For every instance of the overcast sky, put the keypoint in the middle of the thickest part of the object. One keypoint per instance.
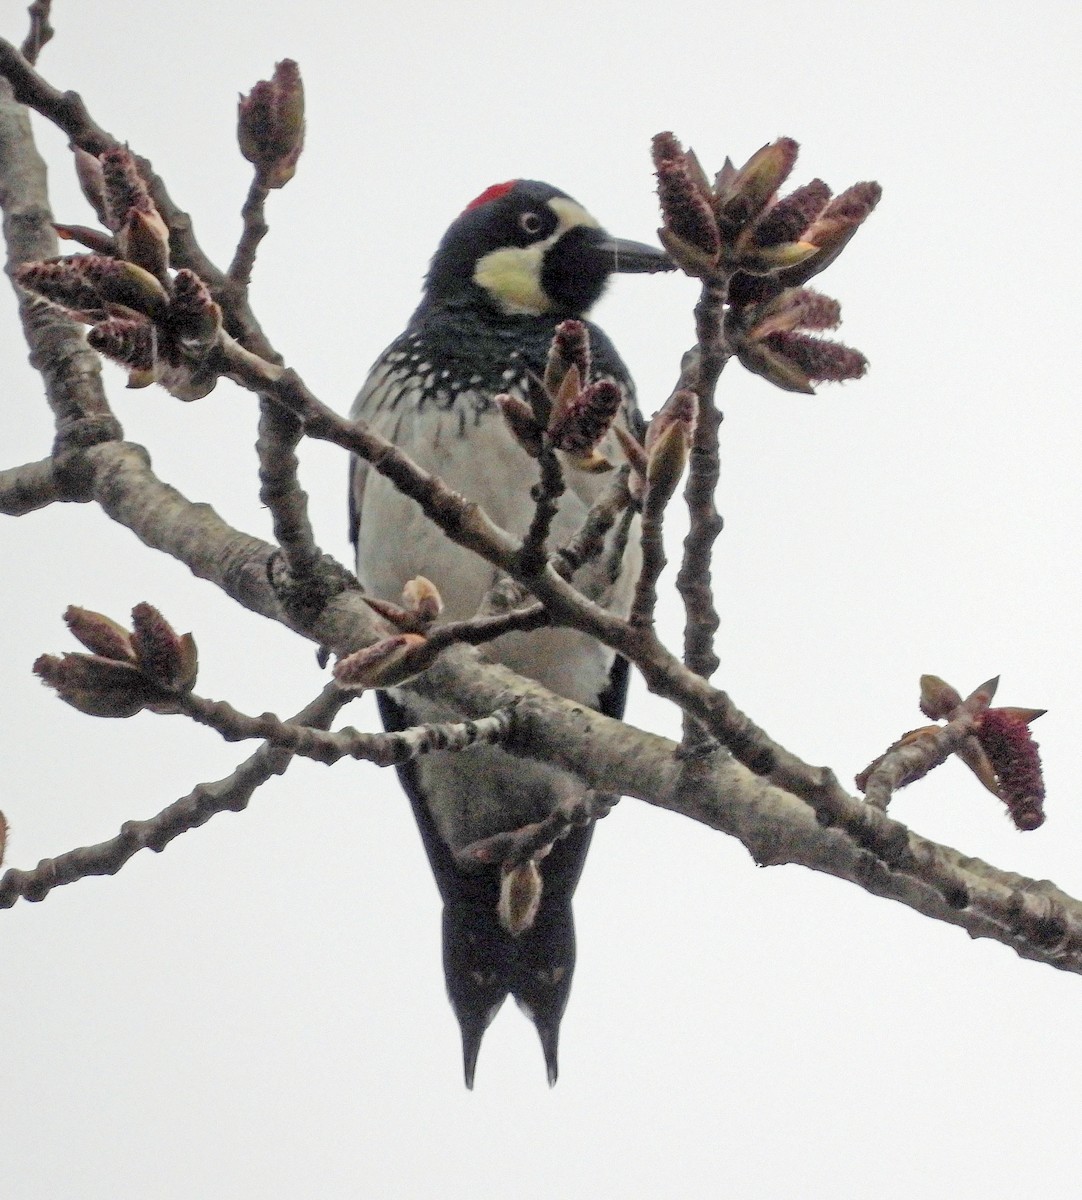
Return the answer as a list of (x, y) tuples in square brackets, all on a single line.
[(259, 1011)]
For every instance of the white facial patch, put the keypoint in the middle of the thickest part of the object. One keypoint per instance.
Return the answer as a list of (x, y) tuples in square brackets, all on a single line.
[(512, 274)]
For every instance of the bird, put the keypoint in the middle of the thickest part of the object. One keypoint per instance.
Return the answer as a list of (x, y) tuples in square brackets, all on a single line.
[(520, 259)]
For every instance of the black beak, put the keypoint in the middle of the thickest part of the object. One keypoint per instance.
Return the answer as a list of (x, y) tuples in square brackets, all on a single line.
[(634, 258)]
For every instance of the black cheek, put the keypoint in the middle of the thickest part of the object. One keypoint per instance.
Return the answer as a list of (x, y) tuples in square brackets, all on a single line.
[(575, 272)]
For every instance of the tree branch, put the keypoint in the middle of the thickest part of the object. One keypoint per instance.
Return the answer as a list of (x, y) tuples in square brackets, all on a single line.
[(383, 749), (230, 794), (27, 488)]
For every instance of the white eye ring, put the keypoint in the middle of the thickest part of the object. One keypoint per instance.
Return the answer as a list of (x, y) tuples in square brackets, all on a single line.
[(529, 222)]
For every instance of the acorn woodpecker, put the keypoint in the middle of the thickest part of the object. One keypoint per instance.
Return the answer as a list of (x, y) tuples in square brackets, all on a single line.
[(520, 259)]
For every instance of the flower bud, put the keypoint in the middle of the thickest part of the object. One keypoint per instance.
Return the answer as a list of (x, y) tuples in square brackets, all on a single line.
[(688, 216), (91, 180), (521, 422), (937, 698), (795, 308), (99, 687), (423, 599), (834, 228), (586, 418), (1013, 753), (270, 125), (131, 341), (170, 660), (746, 192), (383, 664), (63, 282), (194, 316), (570, 347), (787, 220), (100, 634)]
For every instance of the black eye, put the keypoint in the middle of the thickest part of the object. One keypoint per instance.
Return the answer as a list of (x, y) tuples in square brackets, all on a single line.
[(529, 222)]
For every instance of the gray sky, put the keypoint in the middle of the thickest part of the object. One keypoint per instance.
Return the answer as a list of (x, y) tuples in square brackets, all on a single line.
[(259, 1011)]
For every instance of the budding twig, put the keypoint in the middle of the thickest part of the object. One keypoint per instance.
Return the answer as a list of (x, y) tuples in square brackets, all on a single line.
[(230, 794)]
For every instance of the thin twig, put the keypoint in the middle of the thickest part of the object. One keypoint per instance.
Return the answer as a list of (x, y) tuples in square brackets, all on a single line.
[(41, 31), (546, 493), (383, 749), (519, 845), (255, 230), (478, 630), (653, 560), (693, 580), (589, 540), (280, 489)]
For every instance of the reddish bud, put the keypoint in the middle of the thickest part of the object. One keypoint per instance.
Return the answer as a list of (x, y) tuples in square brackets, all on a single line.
[(587, 418), (1013, 753), (100, 634), (125, 190), (570, 347), (834, 228), (817, 359), (99, 687), (687, 213), (91, 180), (938, 700), (62, 282), (270, 125), (665, 147), (795, 308), (522, 422), (130, 341), (383, 664), (165, 657), (194, 316), (743, 195), (787, 220)]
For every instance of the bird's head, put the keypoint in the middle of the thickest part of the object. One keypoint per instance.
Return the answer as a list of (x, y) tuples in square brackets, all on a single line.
[(526, 248)]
